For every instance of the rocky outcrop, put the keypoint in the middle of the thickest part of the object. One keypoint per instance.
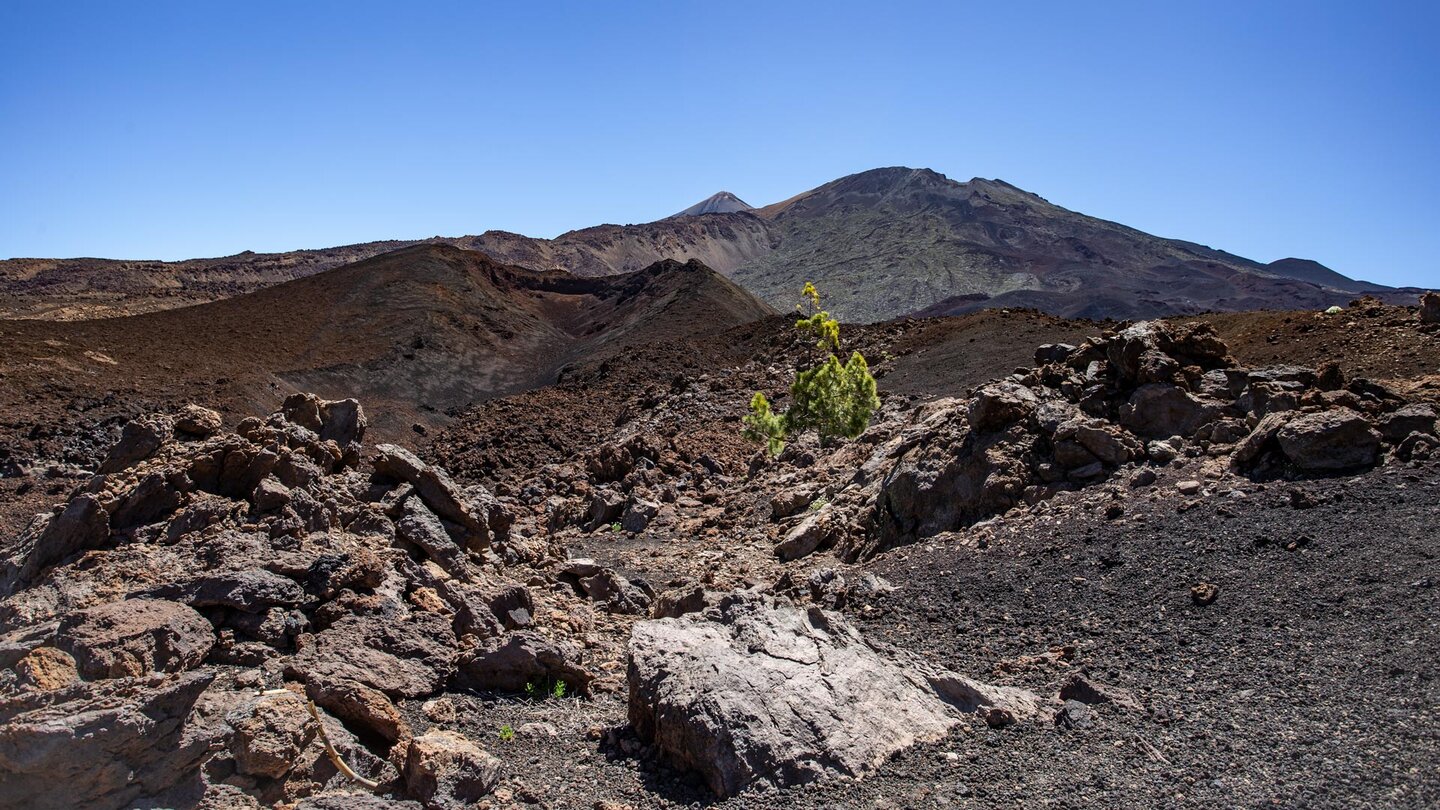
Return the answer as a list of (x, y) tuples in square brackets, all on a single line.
[(134, 637), (100, 745), (1430, 308), (755, 690), (270, 554), (1144, 394)]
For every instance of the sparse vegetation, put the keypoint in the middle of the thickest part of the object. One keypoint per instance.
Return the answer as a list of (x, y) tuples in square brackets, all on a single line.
[(544, 689), (506, 733), (834, 399)]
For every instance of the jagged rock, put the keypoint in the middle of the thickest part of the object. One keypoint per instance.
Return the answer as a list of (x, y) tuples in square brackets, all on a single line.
[(605, 586), (1053, 353), (943, 479), (1329, 441), (638, 514), (84, 524), (139, 440), (154, 497), (269, 736), (402, 657), (341, 421), (1100, 440), (135, 637), (999, 405), (99, 745), (1158, 410), (447, 771), (359, 706), (253, 591), (676, 603), (1260, 438), (270, 494), (420, 526), (511, 661), (810, 534), (194, 420), (606, 507), (436, 489), (46, 669), (755, 690), (790, 502), (1430, 308), (1414, 418)]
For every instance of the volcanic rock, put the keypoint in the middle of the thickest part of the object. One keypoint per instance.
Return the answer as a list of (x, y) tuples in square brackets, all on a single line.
[(135, 637), (193, 420), (1329, 441), (447, 771), (99, 745), (511, 661), (755, 691)]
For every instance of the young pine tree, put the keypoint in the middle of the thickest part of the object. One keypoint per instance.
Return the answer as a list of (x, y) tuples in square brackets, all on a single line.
[(834, 399)]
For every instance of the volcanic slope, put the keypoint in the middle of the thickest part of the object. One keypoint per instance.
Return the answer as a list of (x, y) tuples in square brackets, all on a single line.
[(898, 240), (419, 330), (81, 289)]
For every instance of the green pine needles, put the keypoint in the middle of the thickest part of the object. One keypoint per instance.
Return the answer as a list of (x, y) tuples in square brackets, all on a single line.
[(834, 399)]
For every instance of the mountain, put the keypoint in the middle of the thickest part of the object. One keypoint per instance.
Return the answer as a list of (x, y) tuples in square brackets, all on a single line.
[(84, 289), (719, 203), (418, 330), (893, 241), (879, 244), (1317, 273)]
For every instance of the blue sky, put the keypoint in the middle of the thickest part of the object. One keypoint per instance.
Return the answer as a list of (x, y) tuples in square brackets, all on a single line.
[(172, 130)]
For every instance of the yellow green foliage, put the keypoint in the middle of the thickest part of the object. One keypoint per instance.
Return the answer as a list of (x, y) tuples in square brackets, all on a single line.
[(834, 399)]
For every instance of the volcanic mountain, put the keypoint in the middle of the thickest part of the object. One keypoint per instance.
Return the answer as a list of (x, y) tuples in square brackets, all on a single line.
[(719, 203), (421, 329), (892, 241), (879, 244)]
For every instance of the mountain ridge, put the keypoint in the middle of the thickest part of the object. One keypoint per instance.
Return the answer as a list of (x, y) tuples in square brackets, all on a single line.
[(882, 243)]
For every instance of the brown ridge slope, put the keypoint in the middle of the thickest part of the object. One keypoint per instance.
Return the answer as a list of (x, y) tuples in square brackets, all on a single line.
[(415, 331), (80, 289)]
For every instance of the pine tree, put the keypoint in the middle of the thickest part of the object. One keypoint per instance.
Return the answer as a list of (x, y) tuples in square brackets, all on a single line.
[(834, 399)]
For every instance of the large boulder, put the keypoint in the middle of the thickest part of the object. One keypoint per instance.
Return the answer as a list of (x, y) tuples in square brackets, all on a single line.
[(83, 524), (139, 440), (1160, 410), (999, 405), (446, 771), (508, 663), (441, 494), (1430, 308), (135, 637), (402, 656), (1414, 418), (252, 591), (1329, 441), (755, 690), (107, 744)]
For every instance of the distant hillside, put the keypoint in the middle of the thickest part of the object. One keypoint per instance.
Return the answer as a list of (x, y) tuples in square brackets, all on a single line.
[(880, 244), (1317, 273), (893, 241), (416, 331)]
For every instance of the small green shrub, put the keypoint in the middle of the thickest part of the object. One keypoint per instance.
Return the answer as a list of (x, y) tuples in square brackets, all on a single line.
[(834, 399), (506, 733)]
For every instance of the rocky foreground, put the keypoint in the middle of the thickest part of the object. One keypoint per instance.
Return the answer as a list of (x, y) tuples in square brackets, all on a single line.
[(281, 615)]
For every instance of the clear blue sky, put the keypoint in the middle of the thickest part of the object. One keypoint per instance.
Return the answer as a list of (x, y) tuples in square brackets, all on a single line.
[(172, 130)]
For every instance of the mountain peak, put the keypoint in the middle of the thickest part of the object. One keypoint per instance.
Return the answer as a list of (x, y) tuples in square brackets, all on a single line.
[(721, 202)]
